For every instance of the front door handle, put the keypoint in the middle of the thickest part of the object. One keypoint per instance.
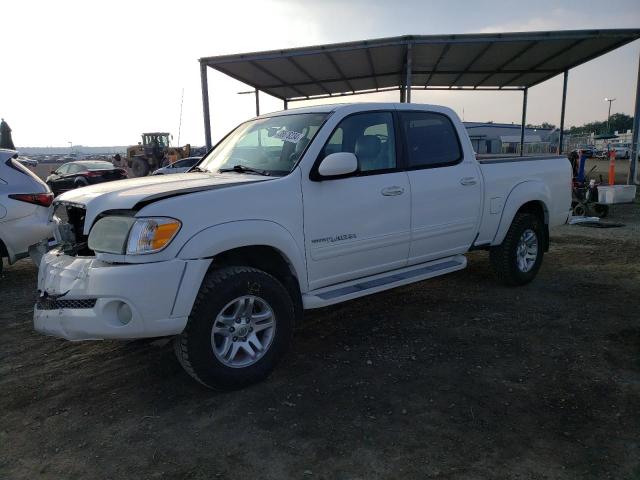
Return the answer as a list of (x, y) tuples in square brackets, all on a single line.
[(392, 191), (468, 181)]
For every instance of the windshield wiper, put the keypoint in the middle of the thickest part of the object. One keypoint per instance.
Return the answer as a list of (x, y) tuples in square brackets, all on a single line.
[(197, 169), (243, 169)]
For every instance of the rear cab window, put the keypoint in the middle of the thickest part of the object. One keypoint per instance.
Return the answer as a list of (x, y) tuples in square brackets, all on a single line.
[(431, 140)]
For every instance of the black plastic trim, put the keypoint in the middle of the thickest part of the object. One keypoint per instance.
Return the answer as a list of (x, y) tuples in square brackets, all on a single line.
[(520, 159)]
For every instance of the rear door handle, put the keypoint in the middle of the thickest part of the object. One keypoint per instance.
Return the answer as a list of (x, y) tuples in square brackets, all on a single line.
[(468, 181), (392, 191)]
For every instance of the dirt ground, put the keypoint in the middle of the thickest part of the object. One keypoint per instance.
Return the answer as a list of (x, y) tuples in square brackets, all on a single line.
[(456, 377)]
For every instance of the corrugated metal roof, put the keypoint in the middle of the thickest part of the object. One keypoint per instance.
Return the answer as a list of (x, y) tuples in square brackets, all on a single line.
[(468, 61)]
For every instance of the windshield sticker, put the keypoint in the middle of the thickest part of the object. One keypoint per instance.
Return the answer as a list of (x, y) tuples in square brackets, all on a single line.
[(289, 136)]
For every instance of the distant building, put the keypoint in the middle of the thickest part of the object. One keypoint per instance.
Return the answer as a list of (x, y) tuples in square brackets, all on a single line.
[(497, 138)]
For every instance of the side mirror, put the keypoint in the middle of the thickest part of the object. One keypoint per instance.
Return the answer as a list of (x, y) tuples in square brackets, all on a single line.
[(338, 164)]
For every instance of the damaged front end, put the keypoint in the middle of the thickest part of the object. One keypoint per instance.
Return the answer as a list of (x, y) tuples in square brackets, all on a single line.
[(69, 221), (68, 231)]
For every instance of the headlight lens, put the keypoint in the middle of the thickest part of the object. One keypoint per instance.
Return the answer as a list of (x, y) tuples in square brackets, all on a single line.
[(150, 235), (133, 236), (109, 234)]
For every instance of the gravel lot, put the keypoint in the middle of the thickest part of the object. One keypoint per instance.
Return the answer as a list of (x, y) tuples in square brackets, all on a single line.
[(456, 377)]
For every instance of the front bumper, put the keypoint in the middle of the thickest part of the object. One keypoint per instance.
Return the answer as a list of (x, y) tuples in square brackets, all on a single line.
[(83, 298)]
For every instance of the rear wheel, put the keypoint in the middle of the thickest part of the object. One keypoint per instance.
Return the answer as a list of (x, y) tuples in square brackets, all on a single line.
[(518, 259), (239, 328), (140, 167)]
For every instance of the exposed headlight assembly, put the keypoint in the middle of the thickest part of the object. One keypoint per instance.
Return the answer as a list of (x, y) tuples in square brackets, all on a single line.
[(132, 236)]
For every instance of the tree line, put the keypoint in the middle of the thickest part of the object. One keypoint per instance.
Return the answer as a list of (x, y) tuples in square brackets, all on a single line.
[(619, 122)]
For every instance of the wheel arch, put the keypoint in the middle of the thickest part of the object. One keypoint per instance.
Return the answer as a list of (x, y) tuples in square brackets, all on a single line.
[(268, 259), (3, 249), (530, 197), (5, 252), (266, 245)]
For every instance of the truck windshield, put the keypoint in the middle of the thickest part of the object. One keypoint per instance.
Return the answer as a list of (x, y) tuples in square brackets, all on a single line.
[(272, 145)]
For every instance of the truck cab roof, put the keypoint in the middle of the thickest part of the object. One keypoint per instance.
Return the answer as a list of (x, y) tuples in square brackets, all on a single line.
[(360, 106)]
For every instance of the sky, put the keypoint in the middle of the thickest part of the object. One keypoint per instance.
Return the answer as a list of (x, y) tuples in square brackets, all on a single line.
[(101, 73)]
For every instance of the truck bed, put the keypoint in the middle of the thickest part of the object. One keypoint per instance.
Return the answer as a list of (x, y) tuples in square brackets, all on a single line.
[(548, 174)]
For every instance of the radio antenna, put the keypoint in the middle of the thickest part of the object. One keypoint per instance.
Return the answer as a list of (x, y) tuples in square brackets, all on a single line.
[(180, 124)]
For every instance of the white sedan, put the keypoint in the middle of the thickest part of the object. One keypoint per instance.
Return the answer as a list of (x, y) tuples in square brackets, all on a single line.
[(179, 166), (24, 208)]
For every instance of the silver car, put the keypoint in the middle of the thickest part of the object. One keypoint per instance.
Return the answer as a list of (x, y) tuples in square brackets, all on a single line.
[(24, 208), (179, 166)]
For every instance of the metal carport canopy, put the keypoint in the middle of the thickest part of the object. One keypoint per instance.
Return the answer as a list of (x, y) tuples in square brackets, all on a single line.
[(468, 61), (476, 62)]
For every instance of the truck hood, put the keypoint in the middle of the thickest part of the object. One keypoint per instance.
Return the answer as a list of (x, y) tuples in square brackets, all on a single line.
[(134, 193)]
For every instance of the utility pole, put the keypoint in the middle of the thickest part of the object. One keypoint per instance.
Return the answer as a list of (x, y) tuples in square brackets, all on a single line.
[(610, 100)]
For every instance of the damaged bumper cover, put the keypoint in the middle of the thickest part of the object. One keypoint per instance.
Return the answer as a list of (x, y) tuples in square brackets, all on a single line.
[(82, 298)]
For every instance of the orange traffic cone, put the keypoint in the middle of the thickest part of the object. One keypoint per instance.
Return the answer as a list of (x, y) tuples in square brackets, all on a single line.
[(612, 166)]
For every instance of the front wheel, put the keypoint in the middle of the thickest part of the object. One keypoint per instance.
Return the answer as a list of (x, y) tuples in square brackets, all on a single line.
[(518, 259), (140, 167), (240, 327)]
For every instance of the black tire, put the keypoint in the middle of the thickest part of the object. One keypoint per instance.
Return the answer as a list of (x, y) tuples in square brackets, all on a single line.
[(579, 210), (504, 258), (80, 182), (140, 167), (601, 210), (194, 346)]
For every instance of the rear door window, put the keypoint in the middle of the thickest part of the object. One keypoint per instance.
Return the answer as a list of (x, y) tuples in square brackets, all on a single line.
[(431, 140)]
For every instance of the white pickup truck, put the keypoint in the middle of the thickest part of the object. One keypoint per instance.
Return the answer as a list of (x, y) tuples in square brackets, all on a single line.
[(290, 211)]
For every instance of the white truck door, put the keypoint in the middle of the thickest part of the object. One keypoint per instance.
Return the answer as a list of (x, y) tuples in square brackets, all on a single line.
[(359, 225), (446, 187)]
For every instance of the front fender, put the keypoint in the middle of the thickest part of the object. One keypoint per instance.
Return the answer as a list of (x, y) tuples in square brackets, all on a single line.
[(244, 233), (529, 191)]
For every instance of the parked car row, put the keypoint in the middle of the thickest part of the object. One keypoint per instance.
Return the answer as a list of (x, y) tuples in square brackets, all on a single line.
[(623, 151)]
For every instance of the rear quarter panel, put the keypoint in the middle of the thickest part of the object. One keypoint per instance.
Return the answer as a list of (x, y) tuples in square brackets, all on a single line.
[(511, 183)]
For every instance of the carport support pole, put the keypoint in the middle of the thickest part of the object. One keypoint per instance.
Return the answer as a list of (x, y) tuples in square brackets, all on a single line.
[(562, 110), (524, 120), (407, 82), (286, 104), (257, 102), (633, 160), (205, 104)]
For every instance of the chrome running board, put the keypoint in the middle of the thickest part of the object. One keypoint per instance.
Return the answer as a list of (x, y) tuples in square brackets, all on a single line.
[(383, 281)]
